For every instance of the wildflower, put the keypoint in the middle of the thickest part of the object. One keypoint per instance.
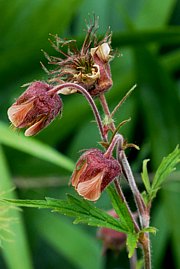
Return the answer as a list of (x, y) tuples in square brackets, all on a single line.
[(93, 173), (35, 108), (111, 239), (88, 67)]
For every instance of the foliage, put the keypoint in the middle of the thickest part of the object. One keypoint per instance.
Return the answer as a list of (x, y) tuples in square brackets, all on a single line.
[(147, 34)]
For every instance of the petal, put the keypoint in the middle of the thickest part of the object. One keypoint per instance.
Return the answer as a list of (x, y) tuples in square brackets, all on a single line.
[(17, 113), (103, 52), (76, 175), (91, 189), (36, 127)]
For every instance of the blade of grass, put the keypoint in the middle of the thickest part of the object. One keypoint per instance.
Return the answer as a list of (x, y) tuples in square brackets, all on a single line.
[(171, 204), (16, 250), (154, 13), (33, 147), (70, 240)]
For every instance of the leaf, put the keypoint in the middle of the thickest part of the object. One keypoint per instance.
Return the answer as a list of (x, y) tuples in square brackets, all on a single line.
[(167, 166), (33, 147), (156, 13), (170, 199), (160, 241), (168, 35), (121, 210), (149, 229), (145, 177), (68, 240), (157, 88), (15, 247), (131, 242), (78, 208)]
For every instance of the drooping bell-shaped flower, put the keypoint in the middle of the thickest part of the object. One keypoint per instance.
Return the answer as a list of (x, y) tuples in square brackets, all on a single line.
[(35, 108), (93, 173)]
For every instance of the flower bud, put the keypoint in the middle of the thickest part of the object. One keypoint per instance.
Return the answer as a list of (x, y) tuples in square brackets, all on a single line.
[(93, 173), (111, 239), (35, 108)]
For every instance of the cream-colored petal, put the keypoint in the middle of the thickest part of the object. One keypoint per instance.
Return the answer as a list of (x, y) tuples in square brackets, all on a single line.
[(91, 189), (76, 175), (17, 113), (35, 128), (102, 52)]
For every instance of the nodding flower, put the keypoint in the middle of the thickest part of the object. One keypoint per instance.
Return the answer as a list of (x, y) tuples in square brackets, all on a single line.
[(88, 67), (93, 173), (35, 108)]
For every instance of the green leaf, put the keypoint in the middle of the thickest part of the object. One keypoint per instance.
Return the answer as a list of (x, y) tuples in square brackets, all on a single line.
[(160, 241), (168, 35), (145, 176), (170, 199), (157, 88), (167, 166), (131, 242), (14, 243), (31, 146), (78, 208), (121, 210), (68, 240), (153, 14), (149, 229)]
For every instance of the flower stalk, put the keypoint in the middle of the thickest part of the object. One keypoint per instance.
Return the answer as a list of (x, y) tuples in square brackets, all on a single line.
[(87, 71), (71, 86)]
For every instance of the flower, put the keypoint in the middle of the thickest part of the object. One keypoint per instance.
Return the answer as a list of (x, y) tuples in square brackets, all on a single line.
[(35, 108), (111, 239), (88, 67), (93, 173)]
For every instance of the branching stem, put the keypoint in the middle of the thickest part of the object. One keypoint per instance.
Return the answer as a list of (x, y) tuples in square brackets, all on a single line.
[(142, 209)]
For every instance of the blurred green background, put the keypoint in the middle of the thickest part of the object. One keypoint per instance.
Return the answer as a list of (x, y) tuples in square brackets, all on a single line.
[(147, 34)]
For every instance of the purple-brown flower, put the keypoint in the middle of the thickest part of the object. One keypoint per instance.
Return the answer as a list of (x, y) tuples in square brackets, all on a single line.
[(93, 173), (35, 108), (111, 239)]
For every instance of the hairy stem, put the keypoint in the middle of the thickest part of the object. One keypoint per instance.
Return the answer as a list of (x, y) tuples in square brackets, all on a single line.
[(137, 196), (121, 195), (126, 168), (145, 242), (142, 209), (112, 145)]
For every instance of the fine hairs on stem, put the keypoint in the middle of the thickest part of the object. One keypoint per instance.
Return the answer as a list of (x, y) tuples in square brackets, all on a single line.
[(141, 207), (87, 71)]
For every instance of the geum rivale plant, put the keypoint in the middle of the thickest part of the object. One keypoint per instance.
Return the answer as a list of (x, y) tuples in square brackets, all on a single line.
[(87, 71)]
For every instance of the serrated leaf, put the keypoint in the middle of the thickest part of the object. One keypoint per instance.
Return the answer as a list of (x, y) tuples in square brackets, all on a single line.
[(80, 209), (131, 242), (149, 230), (167, 166), (121, 209), (145, 177)]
